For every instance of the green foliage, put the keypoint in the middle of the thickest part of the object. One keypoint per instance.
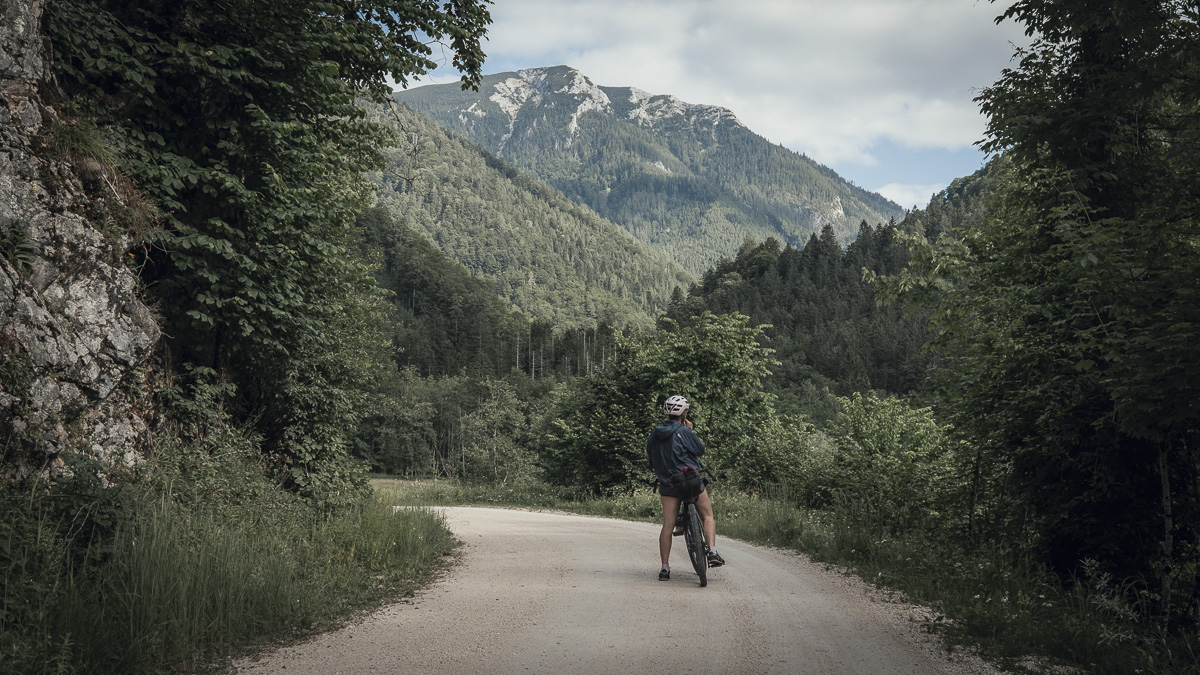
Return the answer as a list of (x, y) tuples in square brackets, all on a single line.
[(1110, 184), (81, 144), (1069, 317), (460, 427), (493, 437), (258, 164), (197, 552), (445, 322), (16, 368), (121, 211), (18, 249), (826, 328), (595, 438), (894, 463), (472, 374), (963, 204)]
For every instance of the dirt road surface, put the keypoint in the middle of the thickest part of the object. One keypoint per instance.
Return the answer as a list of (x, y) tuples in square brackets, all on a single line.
[(555, 593)]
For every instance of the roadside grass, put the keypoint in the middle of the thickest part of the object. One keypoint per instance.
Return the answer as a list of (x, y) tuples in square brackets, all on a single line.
[(995, 601), (177, 587), (637, 505)]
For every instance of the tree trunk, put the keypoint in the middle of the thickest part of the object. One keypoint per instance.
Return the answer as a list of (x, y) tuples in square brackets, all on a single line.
[(976, 473), (1168, 545), (1194, 488)]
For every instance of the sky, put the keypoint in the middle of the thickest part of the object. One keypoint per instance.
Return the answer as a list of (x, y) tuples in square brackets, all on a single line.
[(881, 91)]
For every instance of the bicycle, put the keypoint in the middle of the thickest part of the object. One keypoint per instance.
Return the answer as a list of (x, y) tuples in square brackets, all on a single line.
[(693, 535), (688, 520)]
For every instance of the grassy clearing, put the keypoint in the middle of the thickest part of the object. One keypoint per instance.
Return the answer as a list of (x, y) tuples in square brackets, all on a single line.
[(175, 587), (1003, 604), (639, 505)]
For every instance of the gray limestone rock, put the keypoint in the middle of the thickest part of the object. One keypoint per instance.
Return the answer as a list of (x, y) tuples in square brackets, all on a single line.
[(72, 327)]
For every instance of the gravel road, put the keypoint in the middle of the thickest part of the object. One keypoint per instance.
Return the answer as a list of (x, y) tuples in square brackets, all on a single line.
[(555, 593)]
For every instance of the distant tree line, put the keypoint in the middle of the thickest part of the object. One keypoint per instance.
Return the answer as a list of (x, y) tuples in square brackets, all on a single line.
[(828, 332)]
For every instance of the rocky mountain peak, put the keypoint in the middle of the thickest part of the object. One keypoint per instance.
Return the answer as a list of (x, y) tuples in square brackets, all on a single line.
[(688, 179), (565, 87)]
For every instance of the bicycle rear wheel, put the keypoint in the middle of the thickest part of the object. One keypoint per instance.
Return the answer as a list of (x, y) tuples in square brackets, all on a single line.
[(696, 546)]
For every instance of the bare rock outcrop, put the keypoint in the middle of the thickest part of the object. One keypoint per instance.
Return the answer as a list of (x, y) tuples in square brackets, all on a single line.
[(74, 335)]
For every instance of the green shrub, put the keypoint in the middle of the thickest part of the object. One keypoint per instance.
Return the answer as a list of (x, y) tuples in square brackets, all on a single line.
[(197, 553), (18, 248), (893, 464), (595, 438)]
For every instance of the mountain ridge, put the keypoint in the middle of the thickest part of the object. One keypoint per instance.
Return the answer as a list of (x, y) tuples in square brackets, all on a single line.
[(688, 179), (549, 256)]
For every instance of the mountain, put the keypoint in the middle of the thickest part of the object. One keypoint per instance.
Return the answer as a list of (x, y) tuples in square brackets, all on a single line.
[(689, 180), (548, 256)]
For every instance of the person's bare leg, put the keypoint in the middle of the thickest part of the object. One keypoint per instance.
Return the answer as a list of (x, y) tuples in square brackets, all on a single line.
[(704, 508), (670, 506)]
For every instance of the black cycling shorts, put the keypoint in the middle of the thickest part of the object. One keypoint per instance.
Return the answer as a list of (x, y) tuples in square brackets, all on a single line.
[(670, 491)]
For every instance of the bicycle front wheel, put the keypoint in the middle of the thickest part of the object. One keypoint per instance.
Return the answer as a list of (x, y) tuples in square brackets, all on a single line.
[(696, 546)]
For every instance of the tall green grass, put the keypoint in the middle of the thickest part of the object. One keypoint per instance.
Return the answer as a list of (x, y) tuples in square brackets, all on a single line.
[(997, 601), (1000, 601), (176, 587)]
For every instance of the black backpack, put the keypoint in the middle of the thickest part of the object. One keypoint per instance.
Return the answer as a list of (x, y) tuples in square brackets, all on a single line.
[(687, 482)]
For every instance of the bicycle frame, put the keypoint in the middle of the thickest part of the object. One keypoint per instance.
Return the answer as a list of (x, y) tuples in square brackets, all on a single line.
[(693, 535)]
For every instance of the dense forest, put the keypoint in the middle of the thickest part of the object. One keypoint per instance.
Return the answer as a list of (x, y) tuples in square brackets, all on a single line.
[(466, 367), (1002, 386), (446, 321), (1067, 317), (825, 326)]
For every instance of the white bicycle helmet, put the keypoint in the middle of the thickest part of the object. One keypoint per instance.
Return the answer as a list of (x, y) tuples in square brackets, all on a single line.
[(676, 405)]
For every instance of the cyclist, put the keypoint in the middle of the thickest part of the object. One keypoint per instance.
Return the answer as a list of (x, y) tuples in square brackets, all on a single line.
[(671, 446)]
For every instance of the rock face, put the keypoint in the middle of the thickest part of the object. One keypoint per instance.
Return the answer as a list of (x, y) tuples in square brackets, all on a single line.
[(74, 335)]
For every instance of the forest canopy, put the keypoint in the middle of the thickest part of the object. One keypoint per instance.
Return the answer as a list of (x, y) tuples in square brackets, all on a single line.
[(238, 121)]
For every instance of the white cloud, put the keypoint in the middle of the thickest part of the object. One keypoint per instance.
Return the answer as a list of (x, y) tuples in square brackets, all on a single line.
[(834, 79), (830, 78), (911, 196)]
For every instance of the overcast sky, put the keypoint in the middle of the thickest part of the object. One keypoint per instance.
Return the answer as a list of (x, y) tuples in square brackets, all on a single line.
[(879, 90)]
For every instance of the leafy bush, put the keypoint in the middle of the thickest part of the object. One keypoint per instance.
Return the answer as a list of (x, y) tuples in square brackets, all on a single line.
[(595, 438), (200, 552), (893, 463)]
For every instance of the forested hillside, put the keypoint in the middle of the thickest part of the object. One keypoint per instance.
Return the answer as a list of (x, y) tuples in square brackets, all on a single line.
[(225, 243), (825, 326), (550, 257), (689, 180)]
